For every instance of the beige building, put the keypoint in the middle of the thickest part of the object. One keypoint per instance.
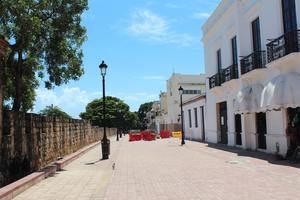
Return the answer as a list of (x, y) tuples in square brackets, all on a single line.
[(193, 85)]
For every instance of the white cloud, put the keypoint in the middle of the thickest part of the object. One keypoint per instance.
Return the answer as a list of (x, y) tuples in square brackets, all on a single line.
[(154, 78), (201, 15), (140, 97), (150, 26), (71, 100)]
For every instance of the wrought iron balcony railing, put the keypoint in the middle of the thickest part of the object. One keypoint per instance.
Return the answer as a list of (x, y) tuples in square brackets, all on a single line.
[(215, 80), (230, 73), (256, 60), (284, 45)]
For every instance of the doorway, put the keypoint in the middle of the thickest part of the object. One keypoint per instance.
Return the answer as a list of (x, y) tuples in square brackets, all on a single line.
[(261, 130), (293, 129), (202, 123), (223, 122), (238, 129)]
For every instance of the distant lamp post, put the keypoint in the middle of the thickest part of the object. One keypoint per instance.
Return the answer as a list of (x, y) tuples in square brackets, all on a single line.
[(118, 134), (105, 143), (181, 115), (118, 123)]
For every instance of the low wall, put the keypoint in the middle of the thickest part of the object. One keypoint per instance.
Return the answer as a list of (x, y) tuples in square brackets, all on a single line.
[(30, 142)]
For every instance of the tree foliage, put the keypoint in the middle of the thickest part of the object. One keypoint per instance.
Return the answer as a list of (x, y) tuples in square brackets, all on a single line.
[(117, 114), (143, 109), (45, 39), (54, 111)]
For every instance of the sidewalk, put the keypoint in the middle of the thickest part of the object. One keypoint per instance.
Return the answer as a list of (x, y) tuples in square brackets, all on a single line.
[(163, 170), (84, 179)]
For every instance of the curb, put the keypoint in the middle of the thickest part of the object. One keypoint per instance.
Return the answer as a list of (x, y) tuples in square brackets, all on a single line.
[(70, 158), (12, 190)]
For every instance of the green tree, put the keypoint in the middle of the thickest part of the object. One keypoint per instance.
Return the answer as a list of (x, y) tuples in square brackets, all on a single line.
[(45, 40), (143, 109), (117, 113), (54, 111)]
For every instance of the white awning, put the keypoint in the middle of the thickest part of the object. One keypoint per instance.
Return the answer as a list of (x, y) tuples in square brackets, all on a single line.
[(283, 91), (248, 99)]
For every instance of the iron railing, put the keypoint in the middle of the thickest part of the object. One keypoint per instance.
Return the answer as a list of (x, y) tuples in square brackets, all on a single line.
[(230, 73), (215, 80), (284, 45), (256, 60)]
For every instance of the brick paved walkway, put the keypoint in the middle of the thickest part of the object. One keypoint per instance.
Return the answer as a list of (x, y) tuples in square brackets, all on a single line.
[(164, 170)]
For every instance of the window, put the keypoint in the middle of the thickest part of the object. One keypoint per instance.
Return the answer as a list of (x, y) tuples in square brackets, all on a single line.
[(219, 61), (191, 91), (190, 118), (238, 129), (256, 35), (196, 117), (289, 15), (234, 51)]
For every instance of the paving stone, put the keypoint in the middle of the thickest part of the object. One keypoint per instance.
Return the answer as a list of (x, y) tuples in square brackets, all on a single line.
[(164, 170)]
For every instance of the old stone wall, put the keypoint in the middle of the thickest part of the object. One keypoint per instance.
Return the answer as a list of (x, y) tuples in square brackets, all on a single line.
[(31, 142)]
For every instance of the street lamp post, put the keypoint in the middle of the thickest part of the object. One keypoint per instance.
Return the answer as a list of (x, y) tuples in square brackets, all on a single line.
[(118, 134), (105, 143), (181, 115), (119, 123)]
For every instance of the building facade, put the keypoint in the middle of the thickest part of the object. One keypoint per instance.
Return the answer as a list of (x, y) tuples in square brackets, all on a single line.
[(193, 85), (194, 118), (252, 63)]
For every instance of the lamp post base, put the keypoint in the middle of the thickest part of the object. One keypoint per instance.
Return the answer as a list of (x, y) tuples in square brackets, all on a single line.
[(105, 144)]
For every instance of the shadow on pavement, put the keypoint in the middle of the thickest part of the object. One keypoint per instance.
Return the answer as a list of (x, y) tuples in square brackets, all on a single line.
[(92, 163), (273, 159)]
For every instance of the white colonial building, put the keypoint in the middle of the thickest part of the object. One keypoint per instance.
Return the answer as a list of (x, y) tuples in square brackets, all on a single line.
[(193, 85), (252, 63), (194, 118)]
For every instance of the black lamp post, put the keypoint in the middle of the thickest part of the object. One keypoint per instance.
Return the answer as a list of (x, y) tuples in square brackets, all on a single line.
[(118, 122), (105, 143), (118, 134), (181, 115)]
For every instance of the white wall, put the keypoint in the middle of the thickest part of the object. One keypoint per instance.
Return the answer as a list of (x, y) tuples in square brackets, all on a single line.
[(234, 18), (193, 133)]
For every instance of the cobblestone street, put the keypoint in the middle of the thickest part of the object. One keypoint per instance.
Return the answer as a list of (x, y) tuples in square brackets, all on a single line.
[(164, 170)]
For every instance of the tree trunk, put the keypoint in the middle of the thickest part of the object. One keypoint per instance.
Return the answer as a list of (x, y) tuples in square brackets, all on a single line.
[(18, 84), (1, 103), (3, 46)]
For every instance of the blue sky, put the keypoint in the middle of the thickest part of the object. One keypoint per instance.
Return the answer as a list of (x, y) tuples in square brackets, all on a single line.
[(142, 42)]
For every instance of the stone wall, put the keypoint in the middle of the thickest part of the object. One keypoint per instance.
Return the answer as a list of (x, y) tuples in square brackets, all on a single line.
[(31, 142)]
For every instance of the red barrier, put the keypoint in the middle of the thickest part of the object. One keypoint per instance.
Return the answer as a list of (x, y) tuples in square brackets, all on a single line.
[(164, 134), (148, 135), (134, 136)]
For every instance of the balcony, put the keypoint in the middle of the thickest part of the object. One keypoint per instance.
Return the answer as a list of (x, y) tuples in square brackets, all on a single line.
[(215, 80), (256, 60), (230, 73), (284, 45)]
